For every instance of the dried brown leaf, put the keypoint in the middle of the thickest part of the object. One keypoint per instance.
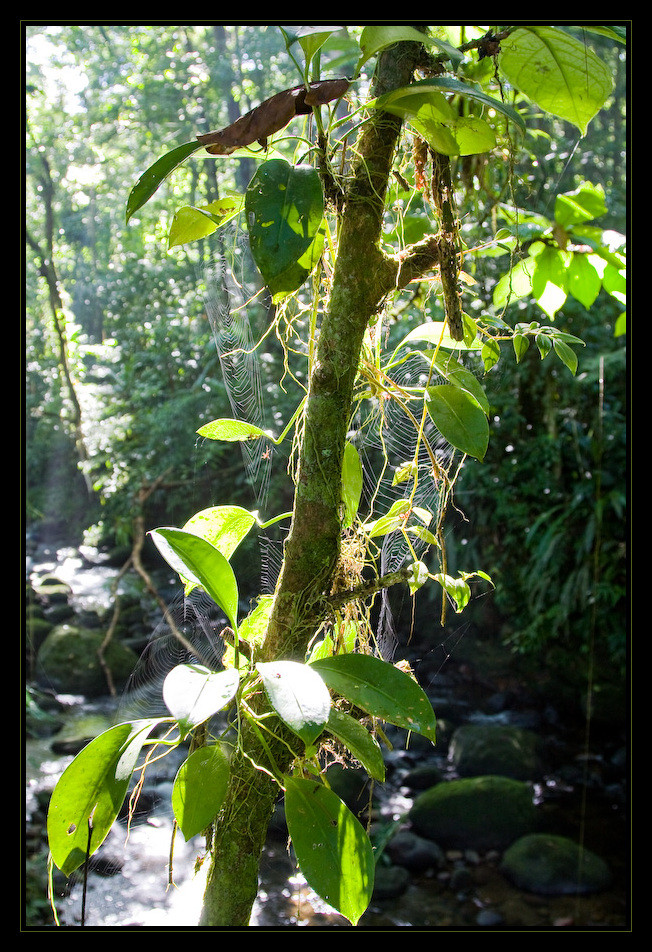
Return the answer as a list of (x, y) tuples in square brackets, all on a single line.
[(272, 115)]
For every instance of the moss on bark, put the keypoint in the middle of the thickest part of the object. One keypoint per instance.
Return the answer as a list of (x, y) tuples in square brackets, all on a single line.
[(362, 278)]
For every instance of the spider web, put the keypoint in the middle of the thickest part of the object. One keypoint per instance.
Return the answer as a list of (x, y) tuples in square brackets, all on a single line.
[(189, 633), (226, 296), (386, 439)]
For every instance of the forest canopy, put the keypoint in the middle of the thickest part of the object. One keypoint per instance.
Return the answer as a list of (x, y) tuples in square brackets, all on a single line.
[(122, 368)]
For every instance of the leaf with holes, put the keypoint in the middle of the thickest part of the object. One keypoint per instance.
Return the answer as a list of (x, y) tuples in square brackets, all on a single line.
[(333, 851), (90, 793), (284, 205)]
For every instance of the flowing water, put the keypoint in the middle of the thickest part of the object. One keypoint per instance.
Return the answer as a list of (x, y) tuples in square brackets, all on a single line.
[(129, 888)]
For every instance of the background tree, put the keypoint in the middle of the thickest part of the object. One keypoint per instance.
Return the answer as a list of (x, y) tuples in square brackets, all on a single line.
[(364, 275)]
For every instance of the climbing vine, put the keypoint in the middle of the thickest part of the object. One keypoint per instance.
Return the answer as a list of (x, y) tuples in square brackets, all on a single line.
[(302, 671)]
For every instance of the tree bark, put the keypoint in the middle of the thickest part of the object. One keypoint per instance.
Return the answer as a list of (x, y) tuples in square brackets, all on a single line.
[(363, 276)]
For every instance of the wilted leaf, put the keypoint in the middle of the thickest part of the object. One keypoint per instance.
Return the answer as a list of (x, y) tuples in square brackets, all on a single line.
[(272, 115)]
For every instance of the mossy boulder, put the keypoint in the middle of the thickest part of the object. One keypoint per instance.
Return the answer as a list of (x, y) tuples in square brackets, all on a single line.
[(552, 865), (68, 661), (495, 749), (482, 813)]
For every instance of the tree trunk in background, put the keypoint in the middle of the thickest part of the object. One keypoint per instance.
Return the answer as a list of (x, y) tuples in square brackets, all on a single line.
[(362, 277)]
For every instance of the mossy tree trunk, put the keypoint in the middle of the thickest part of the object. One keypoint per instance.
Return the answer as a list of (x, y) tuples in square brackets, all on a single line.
[(362, 278)]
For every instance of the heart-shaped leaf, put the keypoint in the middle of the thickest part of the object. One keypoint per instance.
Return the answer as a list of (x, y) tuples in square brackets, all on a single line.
[(284, 205), (559, 73)]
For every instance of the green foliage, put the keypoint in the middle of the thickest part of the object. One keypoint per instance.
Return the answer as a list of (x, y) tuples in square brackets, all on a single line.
[(289, 227)]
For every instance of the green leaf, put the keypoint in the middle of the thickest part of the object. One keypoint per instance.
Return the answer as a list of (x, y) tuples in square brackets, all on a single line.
[(333, 851), (566, 354), (380, 689), (557, 72), (459, 419), (393, 519), (351, 483), (199, 789), (420, 574), (582, 280), (198, 562), (436, 332), (583, 204), (457, 588), (298, 695), (358, 741), (517, 283), (521, 344), (190, 223), (193, 693), (457, 375), (490, 354), (544, 343), (223, 526), (284, 205), (459, 136), (231, 431), (375, 38), (408, 100), (91, 790), (152, 178)]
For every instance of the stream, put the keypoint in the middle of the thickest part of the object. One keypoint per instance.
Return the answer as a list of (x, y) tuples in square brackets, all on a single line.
[(127, 884)]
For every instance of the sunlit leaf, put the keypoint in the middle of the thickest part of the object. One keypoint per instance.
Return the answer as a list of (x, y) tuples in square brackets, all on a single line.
[(231, 431), (190, 223), (199, 789), (380, 689), (408, 100), (90, 792), (193, 693), (298, 695), (333, 851), (557, 72), (197, 561), (223, 526), (351, 483)]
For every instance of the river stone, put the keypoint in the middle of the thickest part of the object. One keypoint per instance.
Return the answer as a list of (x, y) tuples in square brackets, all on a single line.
[(497, 749), (414, 852), (482, 813), (67, 662), (552, 865)]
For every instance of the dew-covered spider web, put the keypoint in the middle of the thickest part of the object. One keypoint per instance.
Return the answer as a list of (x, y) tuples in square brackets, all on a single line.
[(188, 633), (382, 431), (230, 301), (386, 439)]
